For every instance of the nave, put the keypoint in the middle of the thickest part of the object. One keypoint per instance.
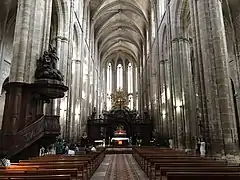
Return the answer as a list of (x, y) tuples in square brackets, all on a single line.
[(157, 163)]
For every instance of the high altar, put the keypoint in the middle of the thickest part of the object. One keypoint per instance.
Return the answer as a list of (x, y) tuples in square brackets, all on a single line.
[(120, 125)]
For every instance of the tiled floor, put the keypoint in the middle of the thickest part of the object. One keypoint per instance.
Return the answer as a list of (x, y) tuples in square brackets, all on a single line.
[(119, 167)]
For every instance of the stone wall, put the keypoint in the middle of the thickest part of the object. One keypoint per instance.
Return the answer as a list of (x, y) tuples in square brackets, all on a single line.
[(203, 69)]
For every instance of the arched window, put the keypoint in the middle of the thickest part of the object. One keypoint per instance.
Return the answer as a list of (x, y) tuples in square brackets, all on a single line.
[(80, 11), (153, 24), (130, 78), (119, 76), (109, 78), (161, 8), (109, 85), (75, 45), (85, 74), (136, 77)]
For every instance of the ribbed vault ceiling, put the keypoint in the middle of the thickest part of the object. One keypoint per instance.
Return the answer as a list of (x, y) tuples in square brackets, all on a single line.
[(8, 9), (119, 28)]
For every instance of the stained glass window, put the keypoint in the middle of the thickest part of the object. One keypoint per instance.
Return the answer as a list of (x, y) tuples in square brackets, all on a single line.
[(161, 8), (109, 86), (109, 78), (130, 78), (119, 76)]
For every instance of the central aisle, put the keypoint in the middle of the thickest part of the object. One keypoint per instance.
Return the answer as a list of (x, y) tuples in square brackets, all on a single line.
[(119, 167)]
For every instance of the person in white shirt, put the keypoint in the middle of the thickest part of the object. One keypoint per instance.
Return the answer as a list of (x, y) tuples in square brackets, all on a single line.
[(71, 152), (93, 149), (202, 147), (170, 141)]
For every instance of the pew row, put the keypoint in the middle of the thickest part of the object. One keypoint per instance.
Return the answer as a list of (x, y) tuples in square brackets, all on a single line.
[(162, 163), (76, 167)]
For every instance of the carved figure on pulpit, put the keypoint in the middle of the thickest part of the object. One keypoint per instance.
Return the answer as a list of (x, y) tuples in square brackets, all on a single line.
[(47, 66), (53, 56)]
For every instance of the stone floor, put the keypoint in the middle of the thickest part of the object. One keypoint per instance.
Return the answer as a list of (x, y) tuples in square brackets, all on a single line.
[(119, 167)]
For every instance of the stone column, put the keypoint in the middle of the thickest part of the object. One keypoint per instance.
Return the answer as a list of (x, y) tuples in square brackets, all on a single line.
[(138, 79), (188, 97), (141, 84), (66, 68), (221, 121), (74, 86), (196, 58), (80, 98), (177, 93), (30, 38), (57, 102)]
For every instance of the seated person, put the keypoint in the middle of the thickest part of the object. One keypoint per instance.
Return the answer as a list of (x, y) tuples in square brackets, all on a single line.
[(42, 151), (4, 162)]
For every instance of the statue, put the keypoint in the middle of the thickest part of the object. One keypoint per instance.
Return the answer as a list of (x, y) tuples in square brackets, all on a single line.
[(104, 106), (53, 55), (47, 66), (94, 110)]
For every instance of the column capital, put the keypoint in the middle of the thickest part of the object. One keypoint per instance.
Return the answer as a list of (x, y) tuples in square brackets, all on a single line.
[(221, 1), (181, 38), (62, 38), (76, 60), (154, 74), (163, 61)]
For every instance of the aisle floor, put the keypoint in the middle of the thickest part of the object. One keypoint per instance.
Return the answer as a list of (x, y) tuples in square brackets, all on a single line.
[(119, 167)]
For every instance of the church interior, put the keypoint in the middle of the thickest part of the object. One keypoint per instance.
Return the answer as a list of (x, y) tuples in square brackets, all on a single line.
[(119, 89)]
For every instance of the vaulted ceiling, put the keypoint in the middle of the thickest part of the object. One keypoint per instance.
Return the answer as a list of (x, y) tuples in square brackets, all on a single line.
[(120, 27), (8, 9)]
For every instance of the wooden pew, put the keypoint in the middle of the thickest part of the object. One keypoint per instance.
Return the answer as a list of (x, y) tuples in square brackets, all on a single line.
[(82, 169), (151, 172), (165, 170), (154, 164), (71, 169), (50, 166), (42, 177), (149, 161), (94, 159), (39, 172), (90, 161), (156, 172), (205, 175), (153, 161)]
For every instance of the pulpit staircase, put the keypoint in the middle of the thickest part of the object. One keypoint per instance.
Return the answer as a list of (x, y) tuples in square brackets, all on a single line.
[(27, 141)]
